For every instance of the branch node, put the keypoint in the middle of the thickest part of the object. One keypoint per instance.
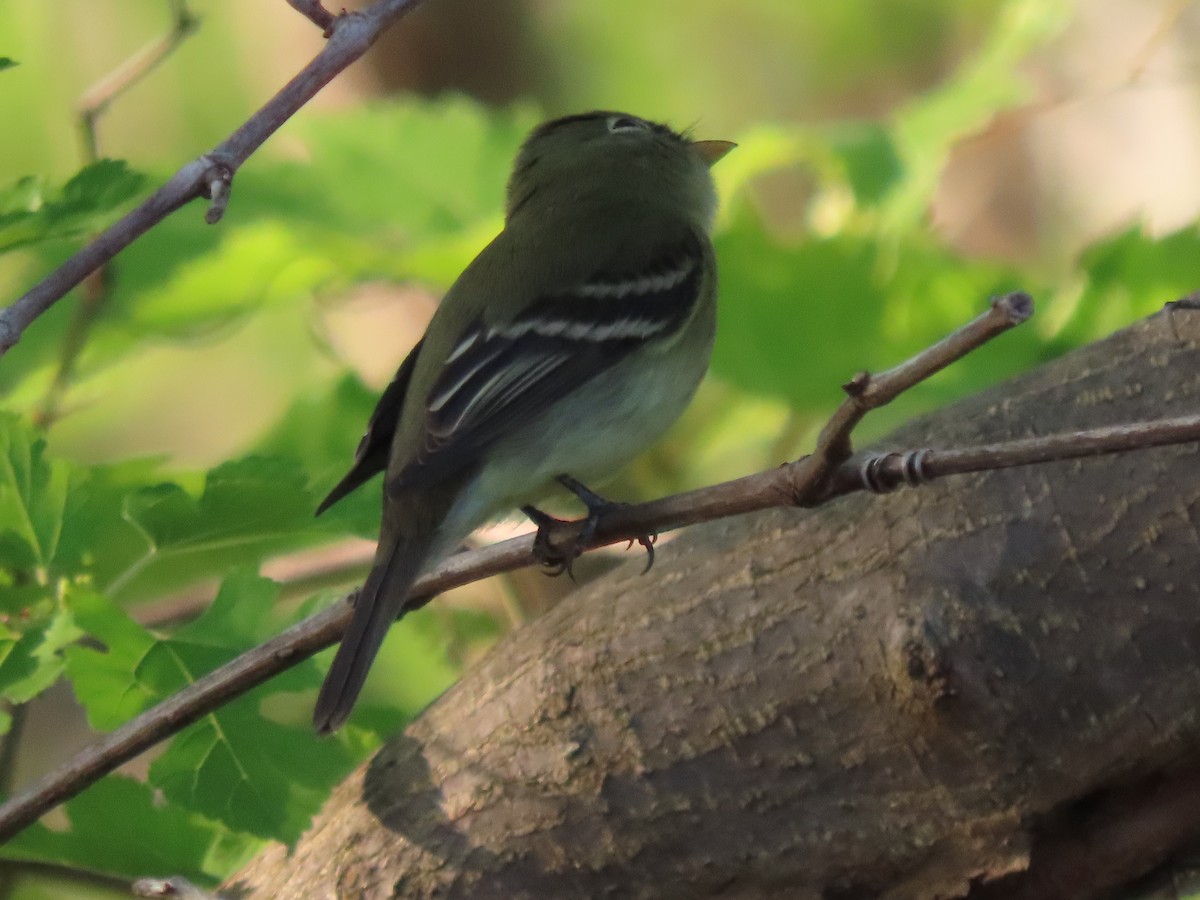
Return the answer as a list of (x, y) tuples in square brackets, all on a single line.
[(1017, 307), (217, 181), (857, 386), (882, 473), (315, 12)]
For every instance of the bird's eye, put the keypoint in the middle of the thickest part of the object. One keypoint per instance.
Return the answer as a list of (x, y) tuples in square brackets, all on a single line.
[(625, 123)]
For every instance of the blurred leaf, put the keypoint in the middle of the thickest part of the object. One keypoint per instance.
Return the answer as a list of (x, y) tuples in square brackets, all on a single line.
[(1133, 274), (259, 264), (868, 154), (322, 432), (415, 664), (990, 81), (6, 63), (794, 321), (401, 172), (119, 826), (31, 212)]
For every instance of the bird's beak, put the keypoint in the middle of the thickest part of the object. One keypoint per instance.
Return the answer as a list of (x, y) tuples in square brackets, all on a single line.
[(713, 150)]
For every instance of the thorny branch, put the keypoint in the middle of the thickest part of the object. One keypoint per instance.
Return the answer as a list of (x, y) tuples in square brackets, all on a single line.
[(807, 481), (350, 36)]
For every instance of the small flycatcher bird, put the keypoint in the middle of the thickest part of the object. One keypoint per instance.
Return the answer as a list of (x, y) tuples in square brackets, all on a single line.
[(565, 348)]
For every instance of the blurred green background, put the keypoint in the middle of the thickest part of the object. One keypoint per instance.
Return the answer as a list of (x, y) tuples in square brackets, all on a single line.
[(167, 430)]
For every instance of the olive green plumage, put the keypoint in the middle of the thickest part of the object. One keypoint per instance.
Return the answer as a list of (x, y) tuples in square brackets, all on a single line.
[(569, 345)]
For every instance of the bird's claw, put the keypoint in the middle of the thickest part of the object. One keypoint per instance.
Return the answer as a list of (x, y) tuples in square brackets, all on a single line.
[(647, 541), (557, 559)]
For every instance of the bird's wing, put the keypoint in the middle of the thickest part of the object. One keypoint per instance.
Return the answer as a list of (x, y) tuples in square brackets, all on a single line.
[(371, 457), (499, 376)]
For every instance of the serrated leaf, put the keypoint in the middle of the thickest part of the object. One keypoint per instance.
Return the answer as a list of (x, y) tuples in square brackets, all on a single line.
[(250, 508), (33, 496), (253, 774), (34, 661), (130, 670)]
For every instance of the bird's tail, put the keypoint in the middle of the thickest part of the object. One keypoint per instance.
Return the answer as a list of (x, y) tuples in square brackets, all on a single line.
[(398, 562)]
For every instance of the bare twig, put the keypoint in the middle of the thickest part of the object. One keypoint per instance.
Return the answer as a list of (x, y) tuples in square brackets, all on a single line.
[(352, 35), (315, 13), (866, 392), (97, 287), (101, 95), (883, 473), (785, 485)]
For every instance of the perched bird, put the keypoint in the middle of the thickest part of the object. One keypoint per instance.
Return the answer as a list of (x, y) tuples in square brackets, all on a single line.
[(574, 339)]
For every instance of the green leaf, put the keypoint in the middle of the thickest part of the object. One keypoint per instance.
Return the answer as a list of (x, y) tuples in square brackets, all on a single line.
[(130, 671), (327, 223), (32, 661), (322, 432), (120, 827), (802, 313), (6, 63), (252, 773), (258, 264), (405, 170), (869, 157), (31, 212), (249, 509), (33, 496), (1132, 274)]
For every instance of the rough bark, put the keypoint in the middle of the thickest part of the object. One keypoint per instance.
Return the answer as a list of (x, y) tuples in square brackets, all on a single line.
[(895, 696)]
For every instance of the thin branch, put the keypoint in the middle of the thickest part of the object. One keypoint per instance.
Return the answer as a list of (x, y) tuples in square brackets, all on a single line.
[(97, 286), (101, 95), (866, 392), (784, 486), (352, 35), (883, 473), (315, 13)]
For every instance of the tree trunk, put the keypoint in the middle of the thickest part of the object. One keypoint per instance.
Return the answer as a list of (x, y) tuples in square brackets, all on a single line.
[(908, 696)]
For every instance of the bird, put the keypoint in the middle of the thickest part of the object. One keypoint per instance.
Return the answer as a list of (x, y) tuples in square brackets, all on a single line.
[(565, 348)]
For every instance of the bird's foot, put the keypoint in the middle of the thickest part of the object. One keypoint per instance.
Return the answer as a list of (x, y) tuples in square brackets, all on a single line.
[(559, 555)]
